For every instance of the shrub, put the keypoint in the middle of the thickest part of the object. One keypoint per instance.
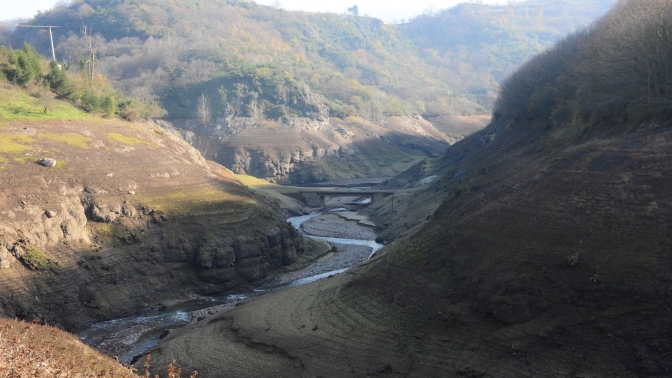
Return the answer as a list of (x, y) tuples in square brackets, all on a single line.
[(36, 258), (109, 105), (56, 78), (90, 100), (28, 65)]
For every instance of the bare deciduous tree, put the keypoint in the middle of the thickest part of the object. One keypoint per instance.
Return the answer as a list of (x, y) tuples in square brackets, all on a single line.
[(203, 112)]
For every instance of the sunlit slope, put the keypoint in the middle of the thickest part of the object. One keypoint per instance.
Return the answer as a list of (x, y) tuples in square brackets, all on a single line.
[(32, 350), (129, 216)]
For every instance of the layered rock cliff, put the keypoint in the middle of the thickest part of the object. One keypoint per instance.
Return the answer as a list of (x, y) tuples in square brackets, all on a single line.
[(129, 217), (296, 150)]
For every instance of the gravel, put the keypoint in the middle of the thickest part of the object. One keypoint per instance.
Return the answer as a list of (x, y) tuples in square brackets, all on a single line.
[(332, 225)]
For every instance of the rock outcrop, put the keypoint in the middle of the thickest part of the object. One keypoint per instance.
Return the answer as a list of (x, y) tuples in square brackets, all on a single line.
[(294, 150), (103, 236)]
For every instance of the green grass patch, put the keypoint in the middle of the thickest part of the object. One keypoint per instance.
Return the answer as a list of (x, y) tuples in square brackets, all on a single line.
[(36, 257), (14, 143), (17, 105), (129, 141), (201, 201), (253, 182), (71, 139), (110, 233)]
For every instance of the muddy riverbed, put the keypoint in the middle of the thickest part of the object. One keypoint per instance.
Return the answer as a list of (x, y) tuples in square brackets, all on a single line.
[(126, 338)]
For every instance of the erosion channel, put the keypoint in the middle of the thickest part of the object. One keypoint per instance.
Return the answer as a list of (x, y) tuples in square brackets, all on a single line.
[(352, 242)]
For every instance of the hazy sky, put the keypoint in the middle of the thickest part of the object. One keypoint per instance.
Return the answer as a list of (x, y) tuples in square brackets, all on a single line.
[(387, 10)]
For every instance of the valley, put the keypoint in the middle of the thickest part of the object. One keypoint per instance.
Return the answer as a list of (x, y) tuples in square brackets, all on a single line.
[(131, 338), (233, 189)]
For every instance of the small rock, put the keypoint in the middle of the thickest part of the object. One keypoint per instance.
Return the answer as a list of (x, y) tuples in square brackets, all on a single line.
[(18, 252), (47, 162), (4, 258), (110, 175), (50, 214), (131, 192)]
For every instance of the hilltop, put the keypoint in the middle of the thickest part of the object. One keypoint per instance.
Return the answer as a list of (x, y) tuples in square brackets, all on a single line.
[(299, 97), (548, 256)]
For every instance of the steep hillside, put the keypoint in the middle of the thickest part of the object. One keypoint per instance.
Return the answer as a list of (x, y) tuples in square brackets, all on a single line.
[(549, 256), (32, 350), (129, 217), (232, 66)]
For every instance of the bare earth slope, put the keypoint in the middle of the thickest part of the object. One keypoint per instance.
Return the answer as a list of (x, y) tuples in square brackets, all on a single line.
[(130, 216), (302, 150)]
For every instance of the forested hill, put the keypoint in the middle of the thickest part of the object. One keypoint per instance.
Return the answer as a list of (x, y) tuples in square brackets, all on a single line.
[(252, 59), (489, 42)]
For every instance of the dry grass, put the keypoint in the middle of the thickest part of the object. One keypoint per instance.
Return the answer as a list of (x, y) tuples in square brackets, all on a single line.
[(253, 182), (32, 350), (172, 371), (37, 351)]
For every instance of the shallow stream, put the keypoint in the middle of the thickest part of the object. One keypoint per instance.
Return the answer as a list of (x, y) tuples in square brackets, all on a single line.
[(133, 336)]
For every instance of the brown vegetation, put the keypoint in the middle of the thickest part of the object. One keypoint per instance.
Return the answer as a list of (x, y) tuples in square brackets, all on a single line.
[(33, 350)]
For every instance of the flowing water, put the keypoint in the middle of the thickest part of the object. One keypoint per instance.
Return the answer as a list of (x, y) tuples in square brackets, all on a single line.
[(133, 336)]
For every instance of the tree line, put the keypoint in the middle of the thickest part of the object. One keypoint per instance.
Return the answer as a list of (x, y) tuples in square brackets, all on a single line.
[(47, 80)]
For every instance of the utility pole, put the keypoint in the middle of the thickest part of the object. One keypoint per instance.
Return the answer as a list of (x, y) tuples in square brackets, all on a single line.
[(51, 35)]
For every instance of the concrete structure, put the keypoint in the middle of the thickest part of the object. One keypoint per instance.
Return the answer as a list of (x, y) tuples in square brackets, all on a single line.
[(317, 198)]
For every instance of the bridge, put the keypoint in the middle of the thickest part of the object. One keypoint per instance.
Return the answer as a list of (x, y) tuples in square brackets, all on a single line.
[(318, 197)]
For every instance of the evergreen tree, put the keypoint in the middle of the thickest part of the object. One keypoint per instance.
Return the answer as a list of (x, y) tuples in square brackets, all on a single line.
[(56, 78), (109, 105)]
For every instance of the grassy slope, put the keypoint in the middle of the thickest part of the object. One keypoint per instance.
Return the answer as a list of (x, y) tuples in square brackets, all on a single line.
[(18, 105)]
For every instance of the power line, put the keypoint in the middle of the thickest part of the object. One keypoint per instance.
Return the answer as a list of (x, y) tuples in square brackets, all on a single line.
[(51, 36)]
